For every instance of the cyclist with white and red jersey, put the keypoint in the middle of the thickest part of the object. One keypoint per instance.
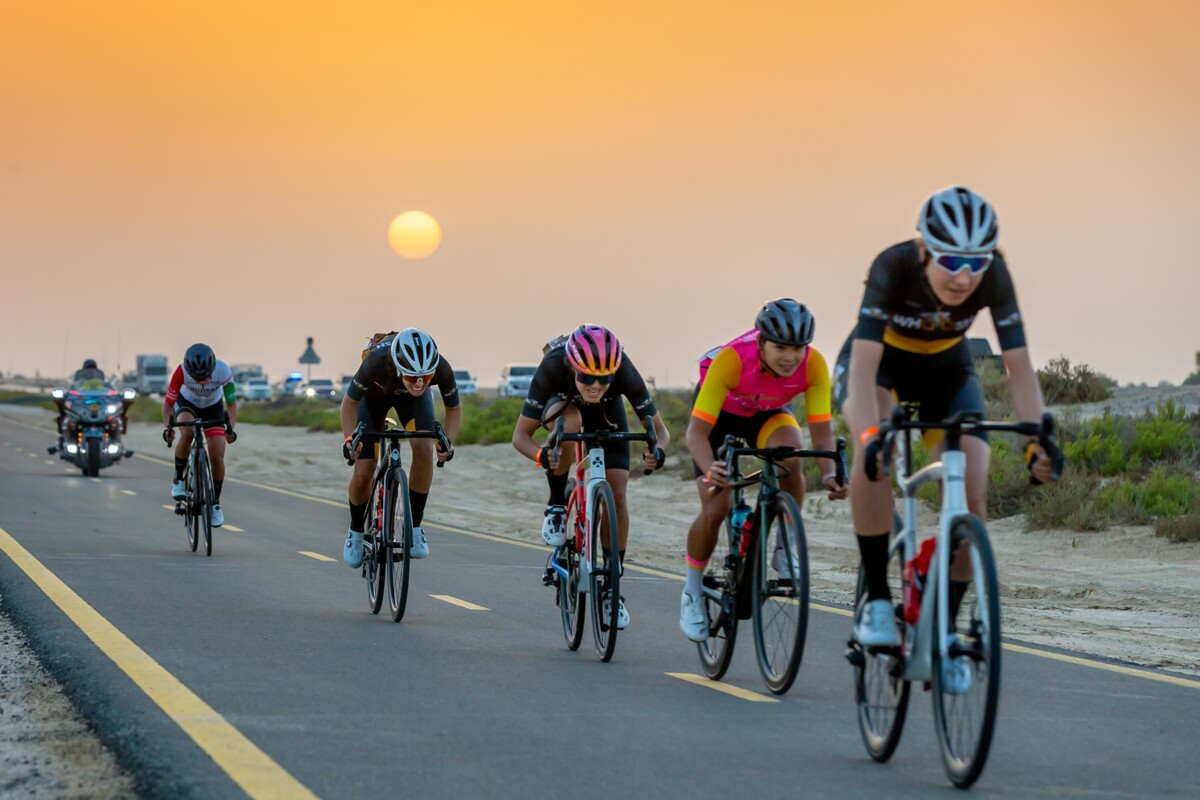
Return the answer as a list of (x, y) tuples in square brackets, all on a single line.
[(746, 390), (585, 378), (196, 391)]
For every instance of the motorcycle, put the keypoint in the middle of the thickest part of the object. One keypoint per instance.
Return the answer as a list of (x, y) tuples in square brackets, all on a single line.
[(90, 431)]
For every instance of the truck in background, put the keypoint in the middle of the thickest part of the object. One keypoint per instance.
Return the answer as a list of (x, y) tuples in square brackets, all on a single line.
[(152, 374)]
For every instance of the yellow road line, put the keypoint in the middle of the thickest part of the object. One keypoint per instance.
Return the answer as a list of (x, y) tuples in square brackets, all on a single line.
[(168, 508), (717, 686), (234, 528), (317, 556), (454, 601), (250, 768), (129, 492), (1087, 662)]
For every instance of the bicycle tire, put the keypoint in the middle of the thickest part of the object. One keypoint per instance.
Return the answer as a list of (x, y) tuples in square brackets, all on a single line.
[(720, 603), (959, 715), (397, 561), (780, 606), (191, 520), (606, 571), (881, 695), (205, 488), (373, 565), (571, 604)]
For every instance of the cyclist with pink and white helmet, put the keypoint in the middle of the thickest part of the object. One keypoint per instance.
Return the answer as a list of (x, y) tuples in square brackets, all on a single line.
[(584, 378)]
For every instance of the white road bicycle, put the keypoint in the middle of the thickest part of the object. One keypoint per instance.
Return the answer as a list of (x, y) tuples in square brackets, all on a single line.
[(957, 655)]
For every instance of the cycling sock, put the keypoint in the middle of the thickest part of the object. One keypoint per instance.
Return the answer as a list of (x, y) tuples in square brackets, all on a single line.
[(180, 466), (417, 501), (874, 550), (217, 491), (558, 488), (957, 590), (358, 516), (695, 577)]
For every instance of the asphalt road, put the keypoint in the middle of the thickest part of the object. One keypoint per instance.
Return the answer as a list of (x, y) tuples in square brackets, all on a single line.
[(286, 683)]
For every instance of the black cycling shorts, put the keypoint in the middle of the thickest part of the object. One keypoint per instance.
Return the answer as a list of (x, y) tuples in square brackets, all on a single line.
[(933, 386), (214, 415), (607, 415), (413, 413)]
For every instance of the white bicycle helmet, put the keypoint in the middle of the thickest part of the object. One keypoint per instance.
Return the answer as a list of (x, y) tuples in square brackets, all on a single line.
[(956, 220), (414, 353)]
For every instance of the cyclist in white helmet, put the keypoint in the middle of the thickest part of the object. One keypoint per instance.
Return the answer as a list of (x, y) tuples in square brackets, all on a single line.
[(396, 373), (908, 346)]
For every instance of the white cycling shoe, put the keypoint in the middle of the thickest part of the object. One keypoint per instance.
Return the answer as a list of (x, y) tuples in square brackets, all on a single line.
[(622, 614), (217, 517), (420, 545), (178, 490), (956, 672), (554, 526), (352, 551), (876, 626), (692, 619), (779, 562)]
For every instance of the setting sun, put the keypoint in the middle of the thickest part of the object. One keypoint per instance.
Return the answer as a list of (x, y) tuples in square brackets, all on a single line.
[(414, 234)]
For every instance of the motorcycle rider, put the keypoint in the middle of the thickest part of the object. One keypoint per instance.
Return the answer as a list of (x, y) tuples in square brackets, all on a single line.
[(84, 378)]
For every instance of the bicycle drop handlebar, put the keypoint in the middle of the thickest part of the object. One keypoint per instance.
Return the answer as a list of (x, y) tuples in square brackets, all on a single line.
[(965, 422), (399, 434), (730, 452), (650, 437)]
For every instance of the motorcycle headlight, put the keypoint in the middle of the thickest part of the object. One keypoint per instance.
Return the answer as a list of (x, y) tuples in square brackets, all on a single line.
[(110, 408), (129, 394), (57, 394), (72, 449), (113, 449)]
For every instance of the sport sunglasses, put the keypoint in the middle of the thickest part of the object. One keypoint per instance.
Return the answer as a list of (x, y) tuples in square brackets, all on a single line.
[(956, 264), (589, 380)]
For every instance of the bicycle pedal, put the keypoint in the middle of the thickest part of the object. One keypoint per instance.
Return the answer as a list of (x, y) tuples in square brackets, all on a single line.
[(855, 657), (180, 509), (548, 578)]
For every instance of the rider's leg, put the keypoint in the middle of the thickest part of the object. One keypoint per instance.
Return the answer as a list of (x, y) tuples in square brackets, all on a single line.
[(871, 507), (782, 430), (572, 423), (216, 455), (618, 481), (183, 445), (420, 476)]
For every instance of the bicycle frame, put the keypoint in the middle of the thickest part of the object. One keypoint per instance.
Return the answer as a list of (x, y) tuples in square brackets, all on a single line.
[(587, 475)]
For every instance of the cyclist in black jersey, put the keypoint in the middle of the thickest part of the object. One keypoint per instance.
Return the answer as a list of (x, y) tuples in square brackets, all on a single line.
[(396, 373), (909, 345), (585, 378)]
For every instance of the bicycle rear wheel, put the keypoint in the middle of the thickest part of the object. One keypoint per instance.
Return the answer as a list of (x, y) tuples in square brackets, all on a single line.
[(191, 520), (398, 536), (606, 570), (374, 567), (571, 604), (879, 691), (720, 608), (964, 705), (204, 489), (780, 608)]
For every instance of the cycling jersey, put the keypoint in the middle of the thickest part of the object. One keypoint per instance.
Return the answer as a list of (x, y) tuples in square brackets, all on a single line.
[(377, 376), (734, 380), (556, 379), (203, 395), (900, 309)]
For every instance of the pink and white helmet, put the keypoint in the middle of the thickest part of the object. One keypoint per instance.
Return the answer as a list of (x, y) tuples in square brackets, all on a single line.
[(593, 350)]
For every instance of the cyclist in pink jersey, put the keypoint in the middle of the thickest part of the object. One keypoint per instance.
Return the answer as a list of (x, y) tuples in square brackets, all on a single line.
[(746, 390)]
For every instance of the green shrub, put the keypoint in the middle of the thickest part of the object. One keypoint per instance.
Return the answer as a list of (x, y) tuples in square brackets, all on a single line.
[(488, 420), (1179, 529), (995, 390), (1063, 384), (1164, 435)]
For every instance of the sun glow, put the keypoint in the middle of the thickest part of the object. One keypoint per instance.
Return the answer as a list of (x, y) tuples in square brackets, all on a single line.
[(414, 234)]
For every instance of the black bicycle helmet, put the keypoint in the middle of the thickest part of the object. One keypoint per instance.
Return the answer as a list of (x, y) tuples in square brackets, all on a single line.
[(90, 364), (785, 321), (956, 220), (199, 361)]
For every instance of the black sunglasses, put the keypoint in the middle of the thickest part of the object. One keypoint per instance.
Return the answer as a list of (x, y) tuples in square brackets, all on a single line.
[(589, 380)]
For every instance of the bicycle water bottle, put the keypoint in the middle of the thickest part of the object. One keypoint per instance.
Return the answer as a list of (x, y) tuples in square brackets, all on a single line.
[(916, 570), (740, 525)]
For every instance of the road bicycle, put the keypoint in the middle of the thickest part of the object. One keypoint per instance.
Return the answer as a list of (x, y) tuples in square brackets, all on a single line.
[(589, 562), (958, 659), (388, 540), (196, 506), (737, 584)]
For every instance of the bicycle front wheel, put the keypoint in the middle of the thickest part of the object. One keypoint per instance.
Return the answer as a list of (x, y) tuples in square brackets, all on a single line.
[(204, 489), (571, 604), (191, 519), (720, 609), (374, 567), (966, 683), (398, 536), (606, 570), (780, 607), (879, 691)]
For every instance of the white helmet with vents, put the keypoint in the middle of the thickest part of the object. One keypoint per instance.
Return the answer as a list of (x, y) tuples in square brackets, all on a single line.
[(414, 353)]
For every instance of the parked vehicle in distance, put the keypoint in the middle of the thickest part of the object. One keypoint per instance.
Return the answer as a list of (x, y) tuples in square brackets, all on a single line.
[(254, 389), (465, 381), (515, 379), (319, 389), (244, 372), (289, 386), (152, 374)]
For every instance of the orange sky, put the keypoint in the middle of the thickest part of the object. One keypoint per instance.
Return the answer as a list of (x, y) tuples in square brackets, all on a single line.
[(662, 168)]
